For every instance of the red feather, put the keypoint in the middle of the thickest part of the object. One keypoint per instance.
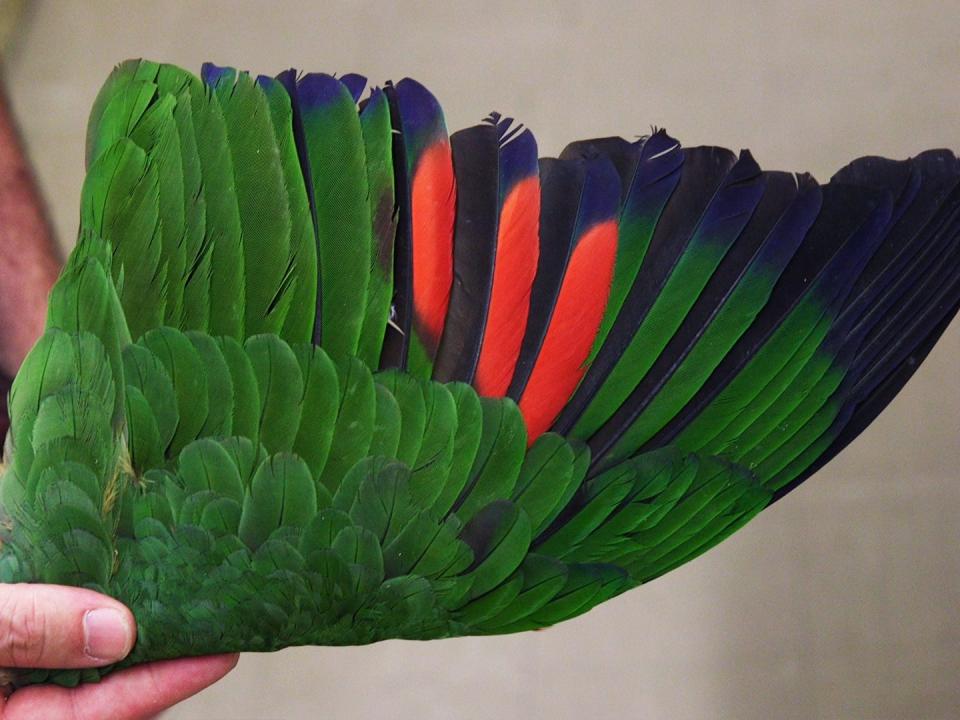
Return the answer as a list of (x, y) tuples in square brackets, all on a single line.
[(433, 198), (576, 319), (515, 266)]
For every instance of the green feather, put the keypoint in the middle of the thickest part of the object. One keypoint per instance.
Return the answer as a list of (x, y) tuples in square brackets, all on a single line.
[(120, 111), (219, 420), (353, 429), (122, 75), (601, 497), (493, 602), (85, 284), (143, 371), (281, 493), (409, 396), (322, 529), (280, 383), (466, 444), (434, 460), (545, 476), (318, 406), (543, 579), (383, 503), (222, 228), (335, 150), (146, 449), (428, 548), (387, 424), (49, 366), (265, 219), (120, 202), (378, 153), (359, 549), (752, 391), (186, 370), (586, 586), (195, 314), (206, 465), (499, 535), (156, 132), (246, 391), (499, 457), (302, 271), (221, 517)]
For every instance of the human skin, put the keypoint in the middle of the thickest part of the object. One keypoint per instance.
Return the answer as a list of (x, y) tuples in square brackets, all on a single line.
[(53, 626), (29, 260), (47, 625)]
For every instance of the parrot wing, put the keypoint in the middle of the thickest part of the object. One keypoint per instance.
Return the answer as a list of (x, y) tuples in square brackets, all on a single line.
[(318, 372)]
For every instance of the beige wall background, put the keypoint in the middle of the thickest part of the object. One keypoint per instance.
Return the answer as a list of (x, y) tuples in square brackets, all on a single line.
[(841, 601)]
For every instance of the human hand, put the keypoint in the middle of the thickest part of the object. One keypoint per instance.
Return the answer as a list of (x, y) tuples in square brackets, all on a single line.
[(66, 627)]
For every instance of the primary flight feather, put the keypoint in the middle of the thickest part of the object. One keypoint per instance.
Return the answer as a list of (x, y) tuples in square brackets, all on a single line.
[(318, 372)]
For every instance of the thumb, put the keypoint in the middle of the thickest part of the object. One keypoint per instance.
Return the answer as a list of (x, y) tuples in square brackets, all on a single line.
[(65, 627)]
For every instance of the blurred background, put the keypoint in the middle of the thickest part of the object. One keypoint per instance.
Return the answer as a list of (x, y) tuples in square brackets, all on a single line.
[(842, 601)]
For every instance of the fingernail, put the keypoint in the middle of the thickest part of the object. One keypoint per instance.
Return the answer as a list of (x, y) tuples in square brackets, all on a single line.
[(106, 634)]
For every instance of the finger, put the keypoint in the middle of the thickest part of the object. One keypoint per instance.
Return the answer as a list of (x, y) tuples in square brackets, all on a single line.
[(62, 627), (135, 694)]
